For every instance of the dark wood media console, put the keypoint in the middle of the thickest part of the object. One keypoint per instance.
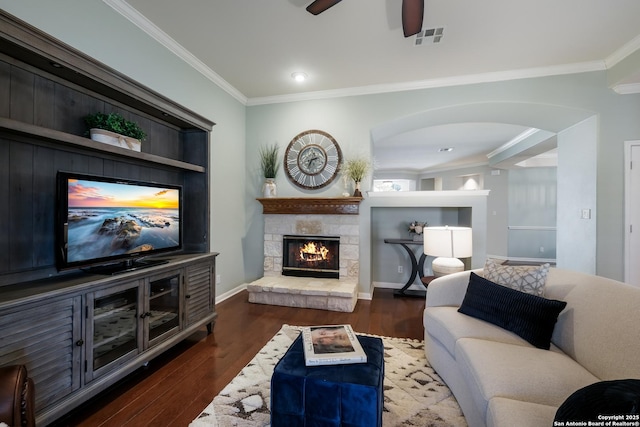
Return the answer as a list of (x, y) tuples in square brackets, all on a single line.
[(78, 333)]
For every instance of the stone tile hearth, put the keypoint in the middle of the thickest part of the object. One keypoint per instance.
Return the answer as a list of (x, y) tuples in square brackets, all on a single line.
[(305, 292)]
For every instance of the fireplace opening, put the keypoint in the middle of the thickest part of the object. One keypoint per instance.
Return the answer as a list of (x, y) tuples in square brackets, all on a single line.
[(311, 256)]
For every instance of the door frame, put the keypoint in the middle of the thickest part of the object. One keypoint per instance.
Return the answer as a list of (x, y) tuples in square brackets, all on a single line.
[(627, 207)]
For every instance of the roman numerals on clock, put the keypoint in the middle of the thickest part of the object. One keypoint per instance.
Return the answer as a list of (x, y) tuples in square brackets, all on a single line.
[(312, 159)]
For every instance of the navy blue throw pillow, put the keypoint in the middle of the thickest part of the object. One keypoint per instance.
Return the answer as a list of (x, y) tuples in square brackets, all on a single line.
[(529, 316), (619, 397)]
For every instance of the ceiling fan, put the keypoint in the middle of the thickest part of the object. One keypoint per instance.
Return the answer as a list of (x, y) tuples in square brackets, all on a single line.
[(412, 12)]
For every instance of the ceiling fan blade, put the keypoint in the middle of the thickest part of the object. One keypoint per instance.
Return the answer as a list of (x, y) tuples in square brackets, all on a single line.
[(412, 13), (319, 6)]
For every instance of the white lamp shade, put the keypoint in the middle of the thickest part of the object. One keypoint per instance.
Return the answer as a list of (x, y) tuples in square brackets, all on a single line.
[(449, 242)]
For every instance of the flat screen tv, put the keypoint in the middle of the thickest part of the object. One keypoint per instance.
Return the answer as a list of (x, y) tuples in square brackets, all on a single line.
[(110, 224)]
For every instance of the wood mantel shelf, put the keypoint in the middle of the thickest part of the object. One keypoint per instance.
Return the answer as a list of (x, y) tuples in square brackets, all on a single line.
[(311, 205)]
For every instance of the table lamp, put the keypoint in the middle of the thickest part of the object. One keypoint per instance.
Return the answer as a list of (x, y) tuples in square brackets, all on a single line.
[(447, 244)]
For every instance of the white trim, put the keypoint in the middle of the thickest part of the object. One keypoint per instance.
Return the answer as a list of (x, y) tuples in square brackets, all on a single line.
[(522, 259), (531, 227), (392, 285), (518, 138), (365, 296), (627, 208), (582, 67), (620, 54), (232, 292), (627, 89), (140, 21)]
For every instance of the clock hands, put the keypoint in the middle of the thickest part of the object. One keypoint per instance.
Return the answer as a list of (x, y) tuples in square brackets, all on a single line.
[(311, 161)]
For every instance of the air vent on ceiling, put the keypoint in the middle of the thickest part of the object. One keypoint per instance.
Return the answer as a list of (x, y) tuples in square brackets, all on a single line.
[(430, 35)]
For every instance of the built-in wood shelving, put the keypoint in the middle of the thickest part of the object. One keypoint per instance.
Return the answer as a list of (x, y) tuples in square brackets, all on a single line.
[(51, 135)]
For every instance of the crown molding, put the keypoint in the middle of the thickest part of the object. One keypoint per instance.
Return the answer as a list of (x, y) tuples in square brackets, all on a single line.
[(620, 54), (582, 67), (627, 89), (140, 21)]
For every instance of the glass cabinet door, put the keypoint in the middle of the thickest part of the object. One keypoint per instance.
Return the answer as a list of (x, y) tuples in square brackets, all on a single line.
[(115, 326), (164, 306)]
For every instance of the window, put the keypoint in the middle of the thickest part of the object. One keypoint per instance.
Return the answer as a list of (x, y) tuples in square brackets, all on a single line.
[(392, 185)]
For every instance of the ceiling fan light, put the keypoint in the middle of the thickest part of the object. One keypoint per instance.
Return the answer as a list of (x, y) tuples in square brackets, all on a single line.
[(299, 76)]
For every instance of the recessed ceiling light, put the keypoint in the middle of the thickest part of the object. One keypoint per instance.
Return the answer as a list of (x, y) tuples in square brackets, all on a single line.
[(299, 76), (445, 150)]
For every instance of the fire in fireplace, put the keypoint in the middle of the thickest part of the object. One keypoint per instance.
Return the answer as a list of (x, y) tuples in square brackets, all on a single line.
[(311, 256)]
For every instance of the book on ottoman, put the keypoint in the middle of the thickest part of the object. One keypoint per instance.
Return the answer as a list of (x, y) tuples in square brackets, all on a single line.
[(331, 345)]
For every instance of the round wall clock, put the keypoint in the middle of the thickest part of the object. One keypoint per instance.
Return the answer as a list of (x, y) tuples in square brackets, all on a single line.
[(312, 159)]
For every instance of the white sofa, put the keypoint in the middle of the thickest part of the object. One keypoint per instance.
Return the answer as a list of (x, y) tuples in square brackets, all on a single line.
[(499, 379)]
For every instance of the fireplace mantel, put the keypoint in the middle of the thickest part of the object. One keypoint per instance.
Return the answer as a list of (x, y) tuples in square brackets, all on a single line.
[(311, 205)]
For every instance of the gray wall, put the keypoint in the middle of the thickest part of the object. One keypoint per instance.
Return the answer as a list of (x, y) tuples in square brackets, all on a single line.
[(353, 121), (94, 28), (393, 223), (532, 200), (553, 103)]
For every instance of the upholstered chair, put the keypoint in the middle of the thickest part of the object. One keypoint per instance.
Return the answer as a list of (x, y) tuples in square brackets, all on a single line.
[(17, 396)]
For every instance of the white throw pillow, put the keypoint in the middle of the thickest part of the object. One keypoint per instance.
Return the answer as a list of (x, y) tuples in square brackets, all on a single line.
[(524, 278)]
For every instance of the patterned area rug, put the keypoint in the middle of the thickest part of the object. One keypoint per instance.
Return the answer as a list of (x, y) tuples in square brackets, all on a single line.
[(414, 395)]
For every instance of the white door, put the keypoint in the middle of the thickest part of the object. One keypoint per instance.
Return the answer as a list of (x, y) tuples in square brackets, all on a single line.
[(632, 212)]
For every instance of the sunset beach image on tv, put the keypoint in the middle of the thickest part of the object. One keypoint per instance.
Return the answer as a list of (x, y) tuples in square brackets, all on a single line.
[(107, 219)]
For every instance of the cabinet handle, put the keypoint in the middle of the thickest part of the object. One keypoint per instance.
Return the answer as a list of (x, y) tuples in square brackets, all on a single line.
[(143, 315), (187, 296), (79, 342)]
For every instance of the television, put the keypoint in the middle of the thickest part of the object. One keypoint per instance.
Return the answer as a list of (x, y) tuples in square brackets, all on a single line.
[(110, 225)]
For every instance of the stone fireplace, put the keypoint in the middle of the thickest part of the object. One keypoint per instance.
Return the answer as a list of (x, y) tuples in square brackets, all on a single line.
[(344, 227), (335, 220), (311, 256)]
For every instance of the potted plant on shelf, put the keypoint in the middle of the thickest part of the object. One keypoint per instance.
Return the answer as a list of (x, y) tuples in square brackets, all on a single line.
[(269, 165), (356, 170), (115, 130)]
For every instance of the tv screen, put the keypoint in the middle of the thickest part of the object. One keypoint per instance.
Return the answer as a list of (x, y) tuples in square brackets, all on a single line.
[(106, 220)]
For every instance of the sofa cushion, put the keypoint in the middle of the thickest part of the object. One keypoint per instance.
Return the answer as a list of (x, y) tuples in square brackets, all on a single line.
[(523, 278), (529, 316), (447, 325), (504, 412), (494, 369)]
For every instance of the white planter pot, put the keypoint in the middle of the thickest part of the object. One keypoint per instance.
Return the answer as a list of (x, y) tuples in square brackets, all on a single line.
[(269, 188), (112, 138)]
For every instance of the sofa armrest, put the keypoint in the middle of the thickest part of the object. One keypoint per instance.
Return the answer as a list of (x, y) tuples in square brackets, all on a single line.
[(17, 395), (449, 290)]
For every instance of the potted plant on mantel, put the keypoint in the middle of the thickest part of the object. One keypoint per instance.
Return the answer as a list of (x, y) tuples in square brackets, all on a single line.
[(269, 165), (115, 130), (356, 169)]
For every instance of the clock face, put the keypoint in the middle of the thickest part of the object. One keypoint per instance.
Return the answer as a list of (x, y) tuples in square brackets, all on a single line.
[(312, 159)]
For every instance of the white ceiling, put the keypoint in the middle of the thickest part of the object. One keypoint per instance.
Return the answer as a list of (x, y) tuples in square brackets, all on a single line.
[(252, 47)]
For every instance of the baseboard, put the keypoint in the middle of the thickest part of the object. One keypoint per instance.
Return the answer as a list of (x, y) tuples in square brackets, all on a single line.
[(523, 260), (229, 294), (391, 285)]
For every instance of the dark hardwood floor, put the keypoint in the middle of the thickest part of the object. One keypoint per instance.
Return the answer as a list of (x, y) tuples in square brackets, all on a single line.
[(175, 387)]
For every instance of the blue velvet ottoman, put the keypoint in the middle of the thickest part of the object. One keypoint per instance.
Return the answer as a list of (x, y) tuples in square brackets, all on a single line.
[(347, 395)]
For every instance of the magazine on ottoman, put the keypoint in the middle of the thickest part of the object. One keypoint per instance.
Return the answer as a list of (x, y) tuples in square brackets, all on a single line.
[(331, 345)]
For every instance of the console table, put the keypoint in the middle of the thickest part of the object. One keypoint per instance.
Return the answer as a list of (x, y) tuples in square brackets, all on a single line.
[(417, 268)]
